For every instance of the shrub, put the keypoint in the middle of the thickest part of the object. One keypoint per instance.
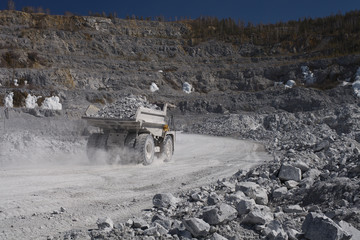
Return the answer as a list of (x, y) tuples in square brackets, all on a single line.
[(19, 98), (2, 100)]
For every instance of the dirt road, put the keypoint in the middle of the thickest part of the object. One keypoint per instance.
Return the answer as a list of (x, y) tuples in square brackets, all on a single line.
[(31, 198)]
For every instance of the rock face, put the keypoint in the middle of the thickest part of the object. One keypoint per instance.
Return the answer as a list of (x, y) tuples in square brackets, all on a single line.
[(130, 55), (320, 227)]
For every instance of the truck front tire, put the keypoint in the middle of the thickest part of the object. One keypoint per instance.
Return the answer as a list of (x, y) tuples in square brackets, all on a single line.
[(145, 149), (167, 149)]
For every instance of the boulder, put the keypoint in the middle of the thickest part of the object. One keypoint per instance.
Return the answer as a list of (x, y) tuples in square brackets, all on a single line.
[(293, 209), (291, 184), (303, 166), (279, 192), (156, 230), (105, 224), (213, 199), (254, 191), (319, 227), (235, 197), (323, 145), (218, 214), (261, 196), (197, 227), (348, 228), (274, 230), (91, 110), (245, 205), (260, 215), (162, 220), (199, 196), (164, 200), (288, 172), (217, 236), (139, 223)]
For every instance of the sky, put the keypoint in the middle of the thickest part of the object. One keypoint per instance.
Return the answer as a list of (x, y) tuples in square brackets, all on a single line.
[(255, 11)]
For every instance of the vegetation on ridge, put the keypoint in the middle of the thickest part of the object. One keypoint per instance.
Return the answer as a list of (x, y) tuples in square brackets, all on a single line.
[(332, 35)]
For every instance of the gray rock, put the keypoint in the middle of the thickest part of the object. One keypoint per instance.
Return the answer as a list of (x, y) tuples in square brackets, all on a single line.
[(274, 230), (303, 166), (312, 173), (261, 196), (259, 215), (218, 214), (230, 186), (197, 227), (319, 227), (76, 234), (217, 236), (164, 200), (199, 196), (309, 178), (350, 230), (140, 223), (163, 221), (235, 197), (292, 234), (91, 111), (129, 223), (279, 192), (288, 172), (254, 191), (213, 199), (249, 188), (245, 205), (323, 145), (291, 184), (293, 209), (105, 224), (156, 230)]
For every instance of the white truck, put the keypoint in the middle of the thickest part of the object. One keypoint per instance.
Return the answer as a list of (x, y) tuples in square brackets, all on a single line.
[(141, 138)]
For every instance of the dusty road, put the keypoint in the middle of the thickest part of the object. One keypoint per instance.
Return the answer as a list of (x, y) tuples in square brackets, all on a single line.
[(31, 197)]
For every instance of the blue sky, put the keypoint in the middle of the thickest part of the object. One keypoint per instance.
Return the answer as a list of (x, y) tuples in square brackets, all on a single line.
[(256, 11)]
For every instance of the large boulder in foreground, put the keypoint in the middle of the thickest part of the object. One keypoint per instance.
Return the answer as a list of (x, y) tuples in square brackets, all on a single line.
[(319, 227)]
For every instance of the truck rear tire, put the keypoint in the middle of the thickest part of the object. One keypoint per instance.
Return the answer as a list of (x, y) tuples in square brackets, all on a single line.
[(96, 142), (167, 149), (145, 149)]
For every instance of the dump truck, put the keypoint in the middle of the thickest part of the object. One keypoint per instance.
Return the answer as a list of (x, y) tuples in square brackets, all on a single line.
[(139, 139)]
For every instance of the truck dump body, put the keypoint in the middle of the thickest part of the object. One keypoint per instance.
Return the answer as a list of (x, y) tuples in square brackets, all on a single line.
[(113, 123)]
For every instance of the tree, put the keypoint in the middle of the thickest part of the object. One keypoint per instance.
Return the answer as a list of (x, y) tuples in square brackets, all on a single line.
[(11, 5), (28, 9)]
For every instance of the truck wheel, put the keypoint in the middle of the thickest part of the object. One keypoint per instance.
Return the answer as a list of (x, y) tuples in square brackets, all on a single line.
[(130, 140), (145, 149), (96, 141), (166, 149)]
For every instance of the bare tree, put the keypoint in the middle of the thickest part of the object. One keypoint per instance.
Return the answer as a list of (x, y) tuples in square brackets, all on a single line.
[(11, 5)]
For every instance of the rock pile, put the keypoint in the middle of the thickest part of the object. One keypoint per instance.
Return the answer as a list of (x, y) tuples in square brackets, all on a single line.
[(124, 108), (310, 190)]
